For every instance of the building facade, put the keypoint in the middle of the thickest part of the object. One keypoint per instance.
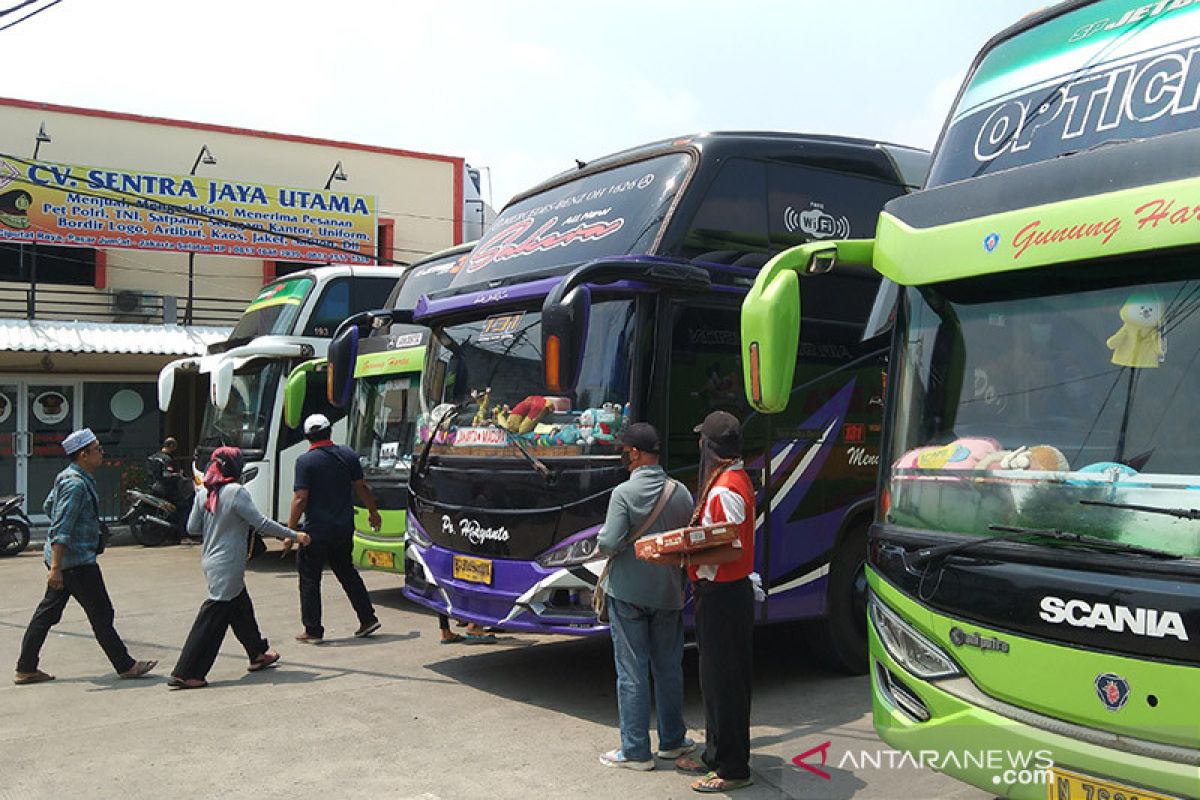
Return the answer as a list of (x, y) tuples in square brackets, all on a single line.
[(129, 241)]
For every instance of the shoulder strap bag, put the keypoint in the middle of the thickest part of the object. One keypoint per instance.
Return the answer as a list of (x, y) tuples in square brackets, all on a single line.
[(600, 596)]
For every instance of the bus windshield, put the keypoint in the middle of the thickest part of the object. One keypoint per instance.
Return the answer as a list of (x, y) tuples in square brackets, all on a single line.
[(1109, 71), (615, 212), (503, 353), (427, 277), (245, 421), (274, 310), (383, 423), (1030, 402)]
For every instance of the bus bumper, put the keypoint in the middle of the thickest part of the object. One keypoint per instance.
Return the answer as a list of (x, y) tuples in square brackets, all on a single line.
[(382, 549), (521, 596), (998, 754)]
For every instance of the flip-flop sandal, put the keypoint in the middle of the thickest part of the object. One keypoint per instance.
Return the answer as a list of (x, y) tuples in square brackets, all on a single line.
[(33, 677), (712, 783), (692, 766), (454, 639), (267, 659), (477, 638), (187, 683)]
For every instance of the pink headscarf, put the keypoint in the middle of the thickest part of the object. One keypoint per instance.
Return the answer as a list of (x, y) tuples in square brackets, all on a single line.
[(224, 467)]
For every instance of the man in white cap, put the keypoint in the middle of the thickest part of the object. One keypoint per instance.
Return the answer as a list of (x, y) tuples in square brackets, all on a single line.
[(325, 477), (70, 555)]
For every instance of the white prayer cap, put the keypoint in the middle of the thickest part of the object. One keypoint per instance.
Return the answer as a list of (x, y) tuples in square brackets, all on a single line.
[(78, 440)]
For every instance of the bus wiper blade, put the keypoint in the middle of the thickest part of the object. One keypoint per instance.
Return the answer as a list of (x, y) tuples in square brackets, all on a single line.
[(418, 466), (941, 551), (1182, 513), (1088, 541), (538, 465)]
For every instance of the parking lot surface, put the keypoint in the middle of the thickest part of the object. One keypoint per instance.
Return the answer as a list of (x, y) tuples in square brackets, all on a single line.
[(397, 715)]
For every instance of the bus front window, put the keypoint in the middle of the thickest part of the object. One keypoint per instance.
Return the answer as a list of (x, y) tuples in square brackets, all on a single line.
[(245, 420), (383, 423), (502, 353), (1035, 404)]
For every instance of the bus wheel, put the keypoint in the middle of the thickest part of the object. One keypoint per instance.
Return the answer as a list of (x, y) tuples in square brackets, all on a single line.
[(839, 641)]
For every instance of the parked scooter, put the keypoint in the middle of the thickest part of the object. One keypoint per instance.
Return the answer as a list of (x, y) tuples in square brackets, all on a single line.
[(154, 520), (14, 525)]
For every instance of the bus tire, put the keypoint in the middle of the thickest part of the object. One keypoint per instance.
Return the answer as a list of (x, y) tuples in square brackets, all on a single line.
[(839, 640)]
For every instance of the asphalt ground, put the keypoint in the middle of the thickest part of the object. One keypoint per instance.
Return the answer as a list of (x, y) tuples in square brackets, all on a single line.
[(397, 715)]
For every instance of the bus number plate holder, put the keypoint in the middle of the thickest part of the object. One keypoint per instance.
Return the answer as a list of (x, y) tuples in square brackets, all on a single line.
[(1067, 785), (475, 570)]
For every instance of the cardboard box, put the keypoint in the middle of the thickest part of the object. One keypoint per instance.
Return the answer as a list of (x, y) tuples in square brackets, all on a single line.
[(686, 540)]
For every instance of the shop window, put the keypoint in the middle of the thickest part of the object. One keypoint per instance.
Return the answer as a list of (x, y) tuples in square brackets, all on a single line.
[(67, 266), (125, 418), (282, 268)]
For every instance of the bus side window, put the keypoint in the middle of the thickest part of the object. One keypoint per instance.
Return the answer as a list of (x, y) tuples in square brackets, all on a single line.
[(331, 308), (730, 226)]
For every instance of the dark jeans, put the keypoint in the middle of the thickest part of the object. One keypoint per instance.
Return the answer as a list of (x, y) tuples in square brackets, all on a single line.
[(86, 585), (208, 631), (338, 552), (724, 637)]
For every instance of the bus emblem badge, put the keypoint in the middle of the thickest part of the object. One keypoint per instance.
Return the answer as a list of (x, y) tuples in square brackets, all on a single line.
[(991, 242), (1113, 690)]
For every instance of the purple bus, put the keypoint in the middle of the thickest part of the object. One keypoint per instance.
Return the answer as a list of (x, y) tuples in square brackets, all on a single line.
[(610, 294)]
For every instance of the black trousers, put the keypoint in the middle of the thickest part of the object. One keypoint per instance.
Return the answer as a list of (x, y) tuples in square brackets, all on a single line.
[(338, 552), (208, 631), (724, 637), (86, 585)]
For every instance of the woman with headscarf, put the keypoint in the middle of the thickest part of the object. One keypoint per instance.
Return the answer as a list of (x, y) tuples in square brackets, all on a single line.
[(724, 599), (225, 514)]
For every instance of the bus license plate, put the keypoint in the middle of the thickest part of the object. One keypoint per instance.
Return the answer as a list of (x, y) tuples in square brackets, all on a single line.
[(1065, 785), (475, 570), (381, 560)]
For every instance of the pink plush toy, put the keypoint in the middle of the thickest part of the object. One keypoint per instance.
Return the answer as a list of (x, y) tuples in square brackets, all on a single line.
[(960, 454)]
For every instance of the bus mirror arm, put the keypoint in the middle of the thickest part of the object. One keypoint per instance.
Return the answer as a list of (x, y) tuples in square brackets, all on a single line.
[(771, 316), (566, 309)]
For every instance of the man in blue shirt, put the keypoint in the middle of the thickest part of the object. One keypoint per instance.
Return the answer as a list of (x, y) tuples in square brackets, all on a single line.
[(325, 477), (644, 605), (70, 556)]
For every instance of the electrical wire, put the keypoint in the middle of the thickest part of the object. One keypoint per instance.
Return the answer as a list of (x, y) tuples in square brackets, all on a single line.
[(30, 15)]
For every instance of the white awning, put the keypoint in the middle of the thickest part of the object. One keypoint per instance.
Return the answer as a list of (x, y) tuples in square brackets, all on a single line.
[(55, 336)]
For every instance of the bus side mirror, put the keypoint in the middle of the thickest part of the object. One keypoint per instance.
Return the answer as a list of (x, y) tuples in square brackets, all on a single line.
[(343, 353), (771, 317), (564, 333), (221, 383), (296, 390)]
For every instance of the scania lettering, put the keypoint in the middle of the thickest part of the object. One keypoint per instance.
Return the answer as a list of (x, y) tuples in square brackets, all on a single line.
[(288, 322), (380, 398), (609, 294), (1039, 472)]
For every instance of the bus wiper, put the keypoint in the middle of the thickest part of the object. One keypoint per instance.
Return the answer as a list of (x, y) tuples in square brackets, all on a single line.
[(418, 466), (538, 465), (1181, 513), (1009, 532)]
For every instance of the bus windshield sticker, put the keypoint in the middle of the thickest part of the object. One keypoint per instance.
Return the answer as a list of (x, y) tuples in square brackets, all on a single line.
[(500, 326)]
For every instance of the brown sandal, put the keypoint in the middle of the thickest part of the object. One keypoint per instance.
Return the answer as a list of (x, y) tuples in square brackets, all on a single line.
[(692, 766), (26, 678), (712, 783), (267, 659)]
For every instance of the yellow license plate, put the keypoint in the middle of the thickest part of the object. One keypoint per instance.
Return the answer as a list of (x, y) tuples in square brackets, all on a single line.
[(475, 570), (381, 560), (1066, 785)]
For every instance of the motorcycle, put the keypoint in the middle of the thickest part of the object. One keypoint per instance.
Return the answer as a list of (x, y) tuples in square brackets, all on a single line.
[(14, 525), (155, 520)]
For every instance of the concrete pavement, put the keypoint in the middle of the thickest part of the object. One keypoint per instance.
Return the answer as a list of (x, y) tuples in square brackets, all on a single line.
[(396, 715)]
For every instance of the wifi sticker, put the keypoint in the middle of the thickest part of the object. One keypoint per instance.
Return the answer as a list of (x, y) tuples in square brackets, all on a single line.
[(816, 223)]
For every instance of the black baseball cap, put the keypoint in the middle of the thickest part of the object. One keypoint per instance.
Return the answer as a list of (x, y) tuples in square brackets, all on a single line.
[(724, 431), (641, 435)]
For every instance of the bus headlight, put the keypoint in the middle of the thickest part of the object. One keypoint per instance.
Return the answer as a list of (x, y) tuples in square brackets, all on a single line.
[(909, 648), (570, 555)]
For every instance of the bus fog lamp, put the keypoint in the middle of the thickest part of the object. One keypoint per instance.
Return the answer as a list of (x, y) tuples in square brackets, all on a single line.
[(909, 648)]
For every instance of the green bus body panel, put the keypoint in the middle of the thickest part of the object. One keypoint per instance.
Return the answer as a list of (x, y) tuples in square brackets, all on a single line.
[(770, 319), (295, 389), (388, 539), (1135, 220), (1054, 680), (390, 362)]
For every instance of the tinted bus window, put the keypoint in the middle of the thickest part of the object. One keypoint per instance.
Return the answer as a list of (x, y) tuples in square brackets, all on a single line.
[(731, 224), (343, 297), (616, 212), (1118, 71), (807, 204)]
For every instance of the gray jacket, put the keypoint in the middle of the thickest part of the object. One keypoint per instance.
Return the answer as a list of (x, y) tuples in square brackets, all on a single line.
[(226, 537), (629, 578)]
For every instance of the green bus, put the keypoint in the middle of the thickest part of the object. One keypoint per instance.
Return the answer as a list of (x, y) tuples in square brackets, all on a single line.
[(381, 401), (1034, 564)]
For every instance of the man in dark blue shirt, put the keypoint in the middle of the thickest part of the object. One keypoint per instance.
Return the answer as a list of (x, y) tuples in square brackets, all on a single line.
[(326, 476)]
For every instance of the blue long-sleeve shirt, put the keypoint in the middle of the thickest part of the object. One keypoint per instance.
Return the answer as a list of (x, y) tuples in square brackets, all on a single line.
[(74, 511), (630, 579)]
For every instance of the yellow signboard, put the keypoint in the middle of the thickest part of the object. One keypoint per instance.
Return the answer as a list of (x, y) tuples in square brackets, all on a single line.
[(69, 205)]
